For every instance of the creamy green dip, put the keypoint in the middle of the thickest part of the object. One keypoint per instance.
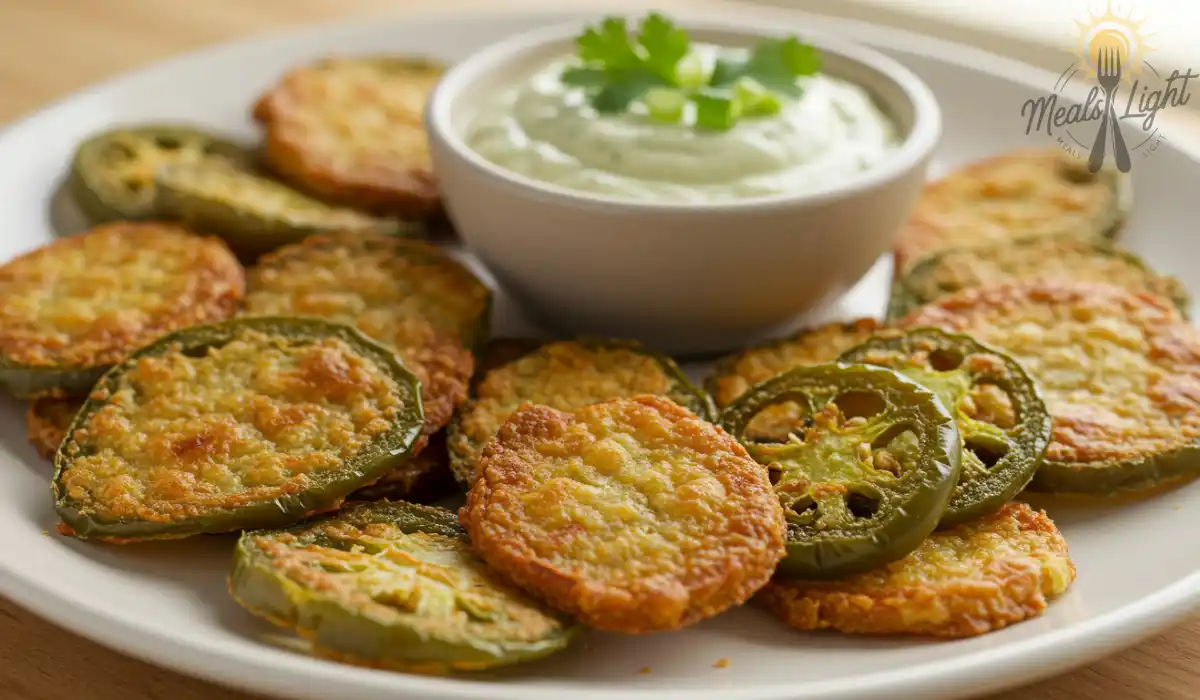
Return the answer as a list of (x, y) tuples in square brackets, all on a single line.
[(547, 131)]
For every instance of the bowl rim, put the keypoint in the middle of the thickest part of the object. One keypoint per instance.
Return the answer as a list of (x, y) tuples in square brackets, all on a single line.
[(917, 147)]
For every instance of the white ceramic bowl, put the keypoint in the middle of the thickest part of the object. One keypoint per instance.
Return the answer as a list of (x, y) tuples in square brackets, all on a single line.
[(686, 278)]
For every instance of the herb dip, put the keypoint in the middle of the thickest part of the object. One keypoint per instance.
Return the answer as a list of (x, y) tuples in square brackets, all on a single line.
[(546, 130)]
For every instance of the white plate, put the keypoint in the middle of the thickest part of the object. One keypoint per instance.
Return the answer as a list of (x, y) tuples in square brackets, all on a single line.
[(167, 603)]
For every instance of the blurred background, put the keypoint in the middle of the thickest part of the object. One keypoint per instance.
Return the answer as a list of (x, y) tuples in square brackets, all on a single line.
[(50, 47)]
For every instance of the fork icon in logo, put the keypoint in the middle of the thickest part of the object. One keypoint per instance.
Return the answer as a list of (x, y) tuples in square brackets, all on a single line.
[(1108, 74)]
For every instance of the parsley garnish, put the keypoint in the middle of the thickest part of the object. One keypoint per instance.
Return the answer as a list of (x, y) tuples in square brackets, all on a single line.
[(775, 64), (659, 71)]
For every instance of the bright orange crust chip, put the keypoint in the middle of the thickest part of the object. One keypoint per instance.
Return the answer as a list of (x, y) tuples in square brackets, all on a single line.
[(978, 577), (91, 299), (632, 515), (349, 130)]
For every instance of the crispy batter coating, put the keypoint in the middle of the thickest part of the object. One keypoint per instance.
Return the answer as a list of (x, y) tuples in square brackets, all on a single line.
[(1027, 192), (1120, 370), (978, 577), (565, 375), (47, 421), (1051, 258), (350, 130), (248, 422), (408, 295), (632, 515), (733, 375), (89, 300), (420, 479)]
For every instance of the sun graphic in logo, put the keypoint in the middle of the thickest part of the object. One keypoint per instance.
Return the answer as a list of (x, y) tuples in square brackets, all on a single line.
[(1111, 31)]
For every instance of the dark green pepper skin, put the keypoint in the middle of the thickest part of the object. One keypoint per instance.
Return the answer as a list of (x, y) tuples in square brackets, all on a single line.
[(827, 539), (502, 351), (1145, 475), (982, 488), (329, 490), (339, 630), (92, 181), (252, 230)]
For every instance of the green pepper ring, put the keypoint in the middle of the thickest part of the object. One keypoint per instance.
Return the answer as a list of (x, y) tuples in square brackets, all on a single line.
[(248, 232), (377, 459), (907, 513), (1144, 474), (337, 629), (87, 183), (1024, 443)]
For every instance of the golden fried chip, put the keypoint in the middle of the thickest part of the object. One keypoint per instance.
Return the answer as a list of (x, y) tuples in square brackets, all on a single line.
[(1119, 370), (1052, 258), (1020, 194), (565, 374), (47, 421), (978, 577), (350, 130), (633, 515), (75, 306), (246, 423), (406, 294)]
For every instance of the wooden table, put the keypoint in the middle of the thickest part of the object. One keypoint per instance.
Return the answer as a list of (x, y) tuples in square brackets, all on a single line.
[(49, 48)]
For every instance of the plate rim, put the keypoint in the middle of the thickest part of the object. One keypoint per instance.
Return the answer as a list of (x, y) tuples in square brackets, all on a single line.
[(987, 670)]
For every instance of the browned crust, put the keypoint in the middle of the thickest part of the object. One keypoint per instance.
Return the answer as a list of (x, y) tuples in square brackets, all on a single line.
[(724, 541), (1017, 564), (444, 368), (47, 421), (208, 283), (277, 416), (305, 144), (976, 204), (1094, 421), (428, 346)]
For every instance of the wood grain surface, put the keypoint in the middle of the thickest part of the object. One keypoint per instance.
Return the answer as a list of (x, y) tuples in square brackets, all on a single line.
[(49, 48)]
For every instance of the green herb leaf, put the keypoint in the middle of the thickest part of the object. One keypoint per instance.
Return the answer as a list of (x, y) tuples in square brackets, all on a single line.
[(727, 71), (659, 69), (609, 45), (775, 63), (715, 111), (665, 46)]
